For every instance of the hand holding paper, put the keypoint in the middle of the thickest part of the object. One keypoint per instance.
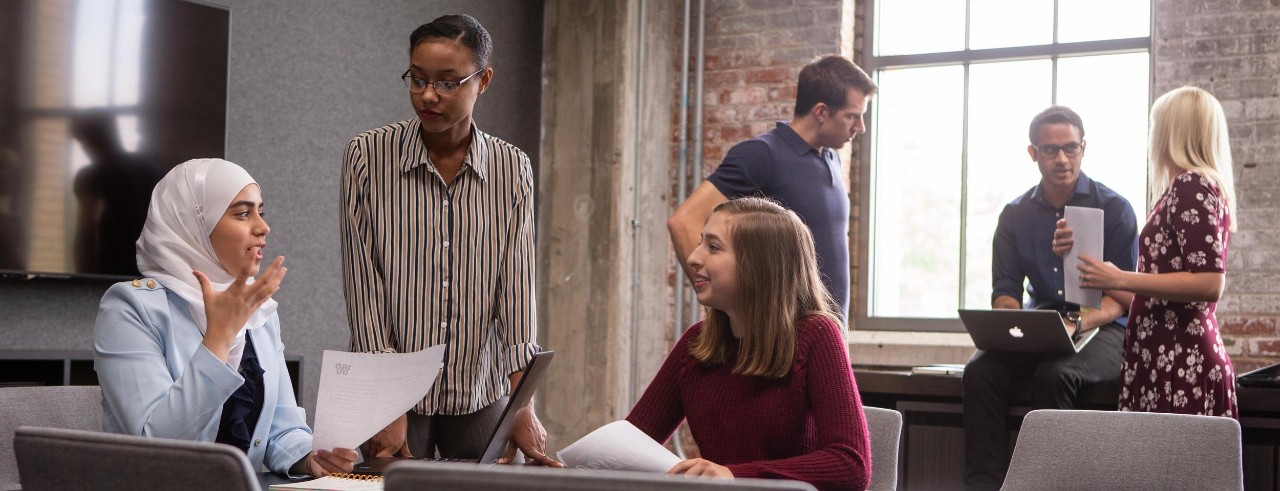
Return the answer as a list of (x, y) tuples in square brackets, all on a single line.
[(1086, 226), (361, 393), (618, 446)]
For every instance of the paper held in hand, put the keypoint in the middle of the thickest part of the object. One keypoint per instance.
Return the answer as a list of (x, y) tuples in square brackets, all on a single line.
[(362, 393), (1086, 229), (618, 446)]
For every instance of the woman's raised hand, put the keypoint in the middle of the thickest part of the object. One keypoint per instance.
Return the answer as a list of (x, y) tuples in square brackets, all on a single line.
[(228, 310)]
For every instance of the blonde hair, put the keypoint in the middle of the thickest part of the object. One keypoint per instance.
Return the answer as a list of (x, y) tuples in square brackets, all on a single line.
[(1189, 133), (778, 285)]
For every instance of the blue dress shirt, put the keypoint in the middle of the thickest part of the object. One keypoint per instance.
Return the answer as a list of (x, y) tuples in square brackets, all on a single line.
[(1023, 245)]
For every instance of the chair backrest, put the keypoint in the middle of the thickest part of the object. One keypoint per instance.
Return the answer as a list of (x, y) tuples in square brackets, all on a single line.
[(1059, 449), (405, 476), (57, 459), (885, 427), (71, 407)]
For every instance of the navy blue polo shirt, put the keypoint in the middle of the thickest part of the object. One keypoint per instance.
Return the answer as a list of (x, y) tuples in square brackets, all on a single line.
[(1023, 245), (782, 166)]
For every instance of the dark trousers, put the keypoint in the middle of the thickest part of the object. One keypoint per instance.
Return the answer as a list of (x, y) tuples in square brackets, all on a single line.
[(463, 436), (1055, 381)]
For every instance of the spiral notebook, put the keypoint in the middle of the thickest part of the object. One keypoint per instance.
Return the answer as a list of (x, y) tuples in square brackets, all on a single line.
[(335, 482)]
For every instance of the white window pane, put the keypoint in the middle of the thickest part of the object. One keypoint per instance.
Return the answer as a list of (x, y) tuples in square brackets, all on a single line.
[(919, 26), (915, 193), (1005, 23), (92, 62), (1091, 20), (1003, 97), (128, 53), (1114, 111)]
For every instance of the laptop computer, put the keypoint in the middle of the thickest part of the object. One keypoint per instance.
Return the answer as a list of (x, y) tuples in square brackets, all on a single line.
[(501, 432), (1027, 331)]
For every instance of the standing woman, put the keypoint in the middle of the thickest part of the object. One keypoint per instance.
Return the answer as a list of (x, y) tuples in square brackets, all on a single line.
[(437, 248), (764, 381), (193, 351), (1174, 361)]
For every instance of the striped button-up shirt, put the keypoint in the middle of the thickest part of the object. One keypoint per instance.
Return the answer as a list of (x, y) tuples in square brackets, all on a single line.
[(425, 263)]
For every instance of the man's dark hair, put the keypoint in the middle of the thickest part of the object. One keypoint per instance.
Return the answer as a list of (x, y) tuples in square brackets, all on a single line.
[(828, 80), (1055, 115), (464, 29)]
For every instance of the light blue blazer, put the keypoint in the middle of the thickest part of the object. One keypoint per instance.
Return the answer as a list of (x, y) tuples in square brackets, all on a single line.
[(159, 380)]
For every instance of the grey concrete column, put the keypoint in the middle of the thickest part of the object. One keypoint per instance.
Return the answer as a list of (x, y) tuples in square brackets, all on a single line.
[(603, 200)]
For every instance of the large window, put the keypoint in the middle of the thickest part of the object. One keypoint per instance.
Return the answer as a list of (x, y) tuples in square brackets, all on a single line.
[(959, 83)]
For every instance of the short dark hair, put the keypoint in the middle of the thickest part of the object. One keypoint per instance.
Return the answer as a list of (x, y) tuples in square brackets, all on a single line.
[(1055, 115), (464, 29), (828, 79)]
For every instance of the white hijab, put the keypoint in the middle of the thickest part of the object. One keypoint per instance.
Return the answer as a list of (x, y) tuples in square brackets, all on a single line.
[(185, 207)]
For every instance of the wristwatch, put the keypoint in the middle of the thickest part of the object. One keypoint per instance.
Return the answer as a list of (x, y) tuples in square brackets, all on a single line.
[(1075, 317)]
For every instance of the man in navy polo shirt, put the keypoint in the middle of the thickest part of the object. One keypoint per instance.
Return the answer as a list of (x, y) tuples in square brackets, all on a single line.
[(1023, 251), (795, 164)]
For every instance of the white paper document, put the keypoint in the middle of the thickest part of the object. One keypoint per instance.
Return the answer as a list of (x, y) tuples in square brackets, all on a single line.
[(1086, 229), (362, 393), (618, 446), (332, 483)]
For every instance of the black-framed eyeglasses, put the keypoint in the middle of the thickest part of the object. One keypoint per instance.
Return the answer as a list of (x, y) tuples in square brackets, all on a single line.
[(1048, 151), (443, 87)]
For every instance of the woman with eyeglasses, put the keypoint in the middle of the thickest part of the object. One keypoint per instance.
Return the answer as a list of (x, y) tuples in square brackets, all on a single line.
[(1174, 359), (437, 248)]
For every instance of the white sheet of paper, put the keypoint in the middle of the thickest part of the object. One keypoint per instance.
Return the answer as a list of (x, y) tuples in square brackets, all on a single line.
[(1086, 229), (618, 446), (332, 483), (362, 393)]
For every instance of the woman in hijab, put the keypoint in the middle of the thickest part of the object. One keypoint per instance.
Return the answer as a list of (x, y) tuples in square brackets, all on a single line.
[(193, 351)]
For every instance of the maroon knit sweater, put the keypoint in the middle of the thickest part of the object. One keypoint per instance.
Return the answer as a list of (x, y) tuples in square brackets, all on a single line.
[(807, 426)]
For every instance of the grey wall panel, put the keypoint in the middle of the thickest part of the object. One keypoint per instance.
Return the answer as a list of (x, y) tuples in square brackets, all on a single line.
[(305, 77)]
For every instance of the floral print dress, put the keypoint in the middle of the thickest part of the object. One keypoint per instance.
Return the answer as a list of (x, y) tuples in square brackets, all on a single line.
[(1174, 361)]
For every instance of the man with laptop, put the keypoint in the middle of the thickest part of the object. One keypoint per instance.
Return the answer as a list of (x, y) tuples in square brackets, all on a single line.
[(1023, 254)]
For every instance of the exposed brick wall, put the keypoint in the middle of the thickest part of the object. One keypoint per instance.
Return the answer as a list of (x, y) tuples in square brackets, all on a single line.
[(1232, 49), (754, 51)]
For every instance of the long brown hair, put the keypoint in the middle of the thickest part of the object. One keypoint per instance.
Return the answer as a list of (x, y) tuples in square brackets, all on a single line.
[(778, 285)]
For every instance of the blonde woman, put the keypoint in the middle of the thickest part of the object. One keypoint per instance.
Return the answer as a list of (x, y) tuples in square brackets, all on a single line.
[(764, 381), (1174, 360)]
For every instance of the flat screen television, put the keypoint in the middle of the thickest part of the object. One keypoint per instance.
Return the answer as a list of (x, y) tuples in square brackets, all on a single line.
[(98, 100)]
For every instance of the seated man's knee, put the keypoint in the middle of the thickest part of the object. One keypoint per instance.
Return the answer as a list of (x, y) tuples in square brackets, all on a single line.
[(1056, 379)]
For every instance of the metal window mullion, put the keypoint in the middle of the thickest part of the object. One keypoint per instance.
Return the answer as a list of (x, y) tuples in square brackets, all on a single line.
[(1014, 53), (968, 22), (1053, 60), (964, 191)]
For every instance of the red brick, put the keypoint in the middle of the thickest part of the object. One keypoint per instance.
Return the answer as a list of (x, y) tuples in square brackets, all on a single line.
[(1265, 347), (783, 93), (740, 59), (743, 95), (1250, 326), (723, 114), (1245, 364), (771, 75)]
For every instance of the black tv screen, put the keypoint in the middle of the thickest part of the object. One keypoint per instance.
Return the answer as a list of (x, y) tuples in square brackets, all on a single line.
[(98, 100)]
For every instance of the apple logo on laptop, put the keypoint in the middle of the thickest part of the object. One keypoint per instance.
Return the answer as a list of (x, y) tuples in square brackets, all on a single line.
[(1015, 332)]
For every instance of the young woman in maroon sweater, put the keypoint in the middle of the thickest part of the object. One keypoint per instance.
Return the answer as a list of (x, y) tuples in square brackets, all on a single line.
[(764, 381)]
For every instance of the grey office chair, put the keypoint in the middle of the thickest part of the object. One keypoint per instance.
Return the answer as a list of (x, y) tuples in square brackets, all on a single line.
[(72, 407), (56, 459), (885, 427), (405, 476), (1060, 449)]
